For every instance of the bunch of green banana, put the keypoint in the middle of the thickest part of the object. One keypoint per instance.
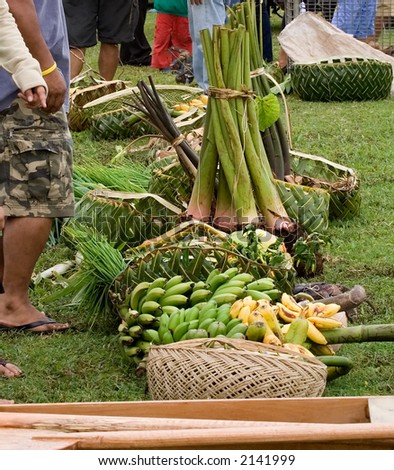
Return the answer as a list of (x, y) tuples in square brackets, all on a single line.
[(153, 297), (263, 289), (203, 320)]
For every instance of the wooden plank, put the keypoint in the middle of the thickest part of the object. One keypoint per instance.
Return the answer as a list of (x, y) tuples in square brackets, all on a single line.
[(23, 439), (58, 432), (229, 437), (381, 409), (84, 423), (312, 410)]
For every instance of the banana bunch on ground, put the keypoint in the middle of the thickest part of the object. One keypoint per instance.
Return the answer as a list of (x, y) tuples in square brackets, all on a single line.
[(170, 310), (315, 316), (200, 102), (292, 325)]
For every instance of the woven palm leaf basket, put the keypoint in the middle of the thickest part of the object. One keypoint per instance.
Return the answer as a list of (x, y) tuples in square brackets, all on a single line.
[(108, 99), (342, 80), (341, 182), (225, 368)]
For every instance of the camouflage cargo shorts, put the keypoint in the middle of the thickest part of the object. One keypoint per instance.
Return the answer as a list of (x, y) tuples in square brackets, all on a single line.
[(36, 163)]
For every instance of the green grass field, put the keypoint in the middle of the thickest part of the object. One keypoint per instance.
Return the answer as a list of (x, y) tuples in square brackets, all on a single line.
[(85, 364)]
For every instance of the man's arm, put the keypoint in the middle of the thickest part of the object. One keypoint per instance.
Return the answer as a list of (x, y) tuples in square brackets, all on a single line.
[(196, 2), (25, 16)]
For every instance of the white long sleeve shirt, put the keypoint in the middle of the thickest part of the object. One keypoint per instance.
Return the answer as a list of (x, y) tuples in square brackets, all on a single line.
[(15, 56)]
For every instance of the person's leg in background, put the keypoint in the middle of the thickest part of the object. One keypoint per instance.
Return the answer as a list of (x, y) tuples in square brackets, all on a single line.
[(35, 187), (116, 23), (81, 31), (162, 41), (181, 38), (366, 32), (108, 60), (138, 51), (263, 18), (203, 14)]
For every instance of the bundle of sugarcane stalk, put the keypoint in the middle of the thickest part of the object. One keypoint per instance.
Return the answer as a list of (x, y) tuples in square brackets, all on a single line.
[(234, 170)]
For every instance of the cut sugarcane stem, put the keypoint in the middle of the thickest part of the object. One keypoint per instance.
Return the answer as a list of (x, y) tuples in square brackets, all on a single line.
[(203, 193), (360, 334), (337, 366)]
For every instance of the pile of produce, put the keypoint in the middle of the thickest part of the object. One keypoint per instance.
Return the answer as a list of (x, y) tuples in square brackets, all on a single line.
[(206, 244), (233, 304)]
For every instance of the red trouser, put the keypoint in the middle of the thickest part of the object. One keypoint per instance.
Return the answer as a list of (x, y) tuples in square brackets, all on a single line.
[(170, 31)]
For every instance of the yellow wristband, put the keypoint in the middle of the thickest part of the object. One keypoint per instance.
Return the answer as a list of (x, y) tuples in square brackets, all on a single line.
[(50, 70)]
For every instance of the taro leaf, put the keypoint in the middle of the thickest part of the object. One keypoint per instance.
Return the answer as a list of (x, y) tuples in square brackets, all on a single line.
[(268, 110)]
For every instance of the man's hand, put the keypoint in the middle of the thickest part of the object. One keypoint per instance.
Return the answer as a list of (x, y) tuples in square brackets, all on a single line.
[(26, 18), (34, 97), (196, 2), (56, 91)]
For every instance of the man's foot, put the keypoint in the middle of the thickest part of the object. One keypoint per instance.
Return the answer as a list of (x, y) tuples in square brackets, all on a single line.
[(9, 370), (25, 317)]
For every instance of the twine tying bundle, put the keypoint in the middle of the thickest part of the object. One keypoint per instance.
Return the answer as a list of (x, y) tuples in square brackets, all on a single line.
[(178, 140), (227, 93)]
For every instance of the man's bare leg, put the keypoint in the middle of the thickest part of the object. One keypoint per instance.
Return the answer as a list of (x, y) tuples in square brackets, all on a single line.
[(77, 60), (24, 240), (108, 60)]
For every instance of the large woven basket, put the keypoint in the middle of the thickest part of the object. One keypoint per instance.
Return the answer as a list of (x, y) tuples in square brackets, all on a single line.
[(341, 182), (227, 368), (342, 80), (111, 97)]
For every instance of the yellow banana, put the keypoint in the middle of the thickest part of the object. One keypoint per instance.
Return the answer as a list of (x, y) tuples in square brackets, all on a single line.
[(309, 310), (271, 320), (322, 350), (285, 314), (248, 300), (298, 348), (289, 302), (204, 99), (330, 310), (315, 335), (270, 337), (325, 323), (254, 316), (244, 314), (318, 309), (236, 307)]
